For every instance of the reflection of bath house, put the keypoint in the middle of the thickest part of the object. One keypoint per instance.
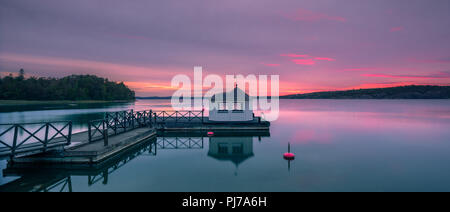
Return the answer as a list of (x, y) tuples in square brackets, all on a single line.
[(234, 149), (230, 109)]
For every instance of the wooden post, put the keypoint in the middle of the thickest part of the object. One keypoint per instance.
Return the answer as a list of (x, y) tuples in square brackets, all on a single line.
[(116, 117), (14, 146), (89, 132), (203, 110), (150, 121), (105, 137), (105, 134), (69, 183), (105, 177), (124, 120), (133, 118), (46, 136), (69, 136), (145, 117)]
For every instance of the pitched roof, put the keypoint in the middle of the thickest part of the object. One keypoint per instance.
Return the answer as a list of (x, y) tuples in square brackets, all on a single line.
[(235, 158), (234, 92)]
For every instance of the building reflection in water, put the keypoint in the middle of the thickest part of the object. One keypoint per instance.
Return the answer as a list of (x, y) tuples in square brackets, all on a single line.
[(234, 149), (58, 178)]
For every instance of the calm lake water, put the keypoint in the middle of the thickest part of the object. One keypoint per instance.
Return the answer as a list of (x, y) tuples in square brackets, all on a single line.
[(340, 145)]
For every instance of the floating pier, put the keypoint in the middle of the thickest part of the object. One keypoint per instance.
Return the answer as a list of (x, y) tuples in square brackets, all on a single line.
[(54, 142)]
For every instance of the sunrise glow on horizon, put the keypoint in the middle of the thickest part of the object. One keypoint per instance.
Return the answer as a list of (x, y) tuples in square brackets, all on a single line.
[(312, 45)]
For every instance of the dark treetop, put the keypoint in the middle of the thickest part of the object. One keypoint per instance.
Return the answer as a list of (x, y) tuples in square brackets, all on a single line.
[(74, 87), (403, 92)]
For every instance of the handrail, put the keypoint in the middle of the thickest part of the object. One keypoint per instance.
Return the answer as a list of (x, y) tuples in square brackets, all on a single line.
[(118, 122), (179, 116), (40, 138), (29, 123)]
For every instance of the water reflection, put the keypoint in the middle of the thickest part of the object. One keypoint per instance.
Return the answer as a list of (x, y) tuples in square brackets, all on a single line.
[(59, 178), (234, 149)]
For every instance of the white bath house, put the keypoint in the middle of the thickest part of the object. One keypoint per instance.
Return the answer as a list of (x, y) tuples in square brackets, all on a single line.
[(235, 109)]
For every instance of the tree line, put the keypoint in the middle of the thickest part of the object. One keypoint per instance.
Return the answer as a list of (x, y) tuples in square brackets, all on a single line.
[(400, 92), (74, 87)]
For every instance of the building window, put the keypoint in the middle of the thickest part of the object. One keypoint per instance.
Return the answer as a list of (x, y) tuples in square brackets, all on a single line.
[(237, 149), (222, 106), (237, 106), (223, 149)]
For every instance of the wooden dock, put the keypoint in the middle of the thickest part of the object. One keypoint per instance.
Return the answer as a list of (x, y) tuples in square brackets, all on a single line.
[(107, 137), (94, 152)]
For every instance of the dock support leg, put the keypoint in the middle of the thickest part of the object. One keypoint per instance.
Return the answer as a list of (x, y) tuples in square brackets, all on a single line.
[(105, 137), (105, 177), (69, 183)]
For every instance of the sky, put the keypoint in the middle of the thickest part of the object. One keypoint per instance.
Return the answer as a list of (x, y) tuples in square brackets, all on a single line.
[(313, 45)]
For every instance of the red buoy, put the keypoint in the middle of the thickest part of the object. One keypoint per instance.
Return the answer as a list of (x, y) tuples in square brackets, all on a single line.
[(288, 155), (210, 133)]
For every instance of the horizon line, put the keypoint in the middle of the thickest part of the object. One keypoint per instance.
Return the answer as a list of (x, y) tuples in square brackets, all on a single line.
[(161, 97)]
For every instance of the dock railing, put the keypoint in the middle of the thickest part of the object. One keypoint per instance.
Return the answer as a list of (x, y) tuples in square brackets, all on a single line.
[(116, 123), (180, 143), (97, 130), (18, 139), (179, 116)]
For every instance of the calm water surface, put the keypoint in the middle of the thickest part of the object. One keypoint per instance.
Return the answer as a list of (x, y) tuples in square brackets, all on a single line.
[(340, 145)]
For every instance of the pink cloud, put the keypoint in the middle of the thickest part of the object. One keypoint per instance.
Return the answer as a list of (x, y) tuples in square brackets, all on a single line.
[(294, 55), (271, 64), (397, 29), (380, 85), (148, 86), (88, 66), (308, 62), (310, 16), (324, 58), (359, 69)]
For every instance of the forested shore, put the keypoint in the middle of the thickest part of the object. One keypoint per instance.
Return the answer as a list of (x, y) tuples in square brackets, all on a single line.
[(73, 87)]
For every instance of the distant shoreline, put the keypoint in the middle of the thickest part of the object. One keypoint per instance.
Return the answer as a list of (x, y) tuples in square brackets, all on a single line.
[(400, 92), (56, 102)]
